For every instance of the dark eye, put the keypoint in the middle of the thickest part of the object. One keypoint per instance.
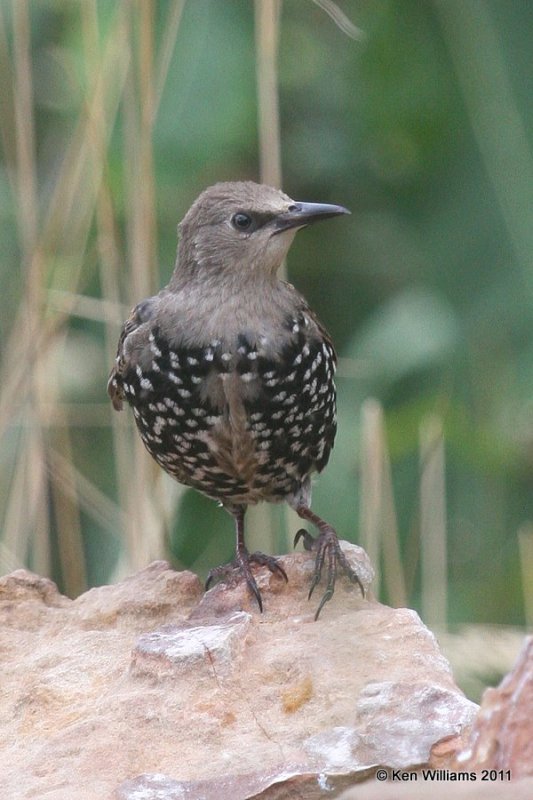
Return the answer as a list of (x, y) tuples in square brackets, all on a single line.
[(241, 221)]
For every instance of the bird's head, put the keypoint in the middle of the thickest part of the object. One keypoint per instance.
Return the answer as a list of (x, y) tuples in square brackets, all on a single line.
[(242, 228)]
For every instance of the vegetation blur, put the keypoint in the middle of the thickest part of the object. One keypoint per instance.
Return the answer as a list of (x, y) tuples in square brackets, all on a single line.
[(416, 115)]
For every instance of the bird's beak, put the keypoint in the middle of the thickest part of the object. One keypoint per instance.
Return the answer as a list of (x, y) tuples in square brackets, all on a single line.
[(300, 214)]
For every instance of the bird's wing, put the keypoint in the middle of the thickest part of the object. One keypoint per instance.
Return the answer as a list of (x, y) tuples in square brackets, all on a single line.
[(302, 307), (139, 315), (323, 332)]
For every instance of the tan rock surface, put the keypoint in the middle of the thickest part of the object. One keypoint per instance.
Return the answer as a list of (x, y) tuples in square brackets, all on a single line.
[(149, 689)]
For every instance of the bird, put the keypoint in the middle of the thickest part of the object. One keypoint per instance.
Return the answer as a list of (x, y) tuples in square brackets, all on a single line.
[(230, 374)]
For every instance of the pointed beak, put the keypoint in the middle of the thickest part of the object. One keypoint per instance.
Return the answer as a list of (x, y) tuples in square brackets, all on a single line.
[(298, 215)]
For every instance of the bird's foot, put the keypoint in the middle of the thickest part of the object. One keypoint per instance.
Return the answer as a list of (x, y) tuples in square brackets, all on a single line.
[(328, 551), (241, 563)]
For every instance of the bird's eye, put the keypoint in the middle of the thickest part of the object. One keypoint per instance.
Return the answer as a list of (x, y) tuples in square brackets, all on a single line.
[(241, 221)]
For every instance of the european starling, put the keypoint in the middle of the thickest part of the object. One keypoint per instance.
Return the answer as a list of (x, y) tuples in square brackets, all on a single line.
[(229, 372)]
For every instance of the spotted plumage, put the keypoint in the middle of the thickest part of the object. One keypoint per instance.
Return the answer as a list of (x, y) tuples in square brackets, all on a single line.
[(229, 373), (289, 412)]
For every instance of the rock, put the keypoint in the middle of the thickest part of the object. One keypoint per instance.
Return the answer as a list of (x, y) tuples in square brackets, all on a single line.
[(171, 651), (152, 689), (478, 653), (502, 736), (437, 789)]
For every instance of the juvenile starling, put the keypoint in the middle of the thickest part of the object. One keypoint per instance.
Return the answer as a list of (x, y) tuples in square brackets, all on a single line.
[(229, 372)]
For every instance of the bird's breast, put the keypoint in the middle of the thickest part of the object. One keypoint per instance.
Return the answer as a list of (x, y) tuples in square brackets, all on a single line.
[(240, 416)]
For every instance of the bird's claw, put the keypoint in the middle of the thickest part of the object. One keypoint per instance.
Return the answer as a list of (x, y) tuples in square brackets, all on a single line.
[(328, 550), (241, 564), (308, 540)]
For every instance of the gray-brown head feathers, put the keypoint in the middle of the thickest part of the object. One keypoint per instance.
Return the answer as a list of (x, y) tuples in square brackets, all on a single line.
[(241, 228), (230, 228)]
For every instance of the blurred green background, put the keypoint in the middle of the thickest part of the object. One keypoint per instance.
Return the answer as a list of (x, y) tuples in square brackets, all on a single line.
[(114, 116)]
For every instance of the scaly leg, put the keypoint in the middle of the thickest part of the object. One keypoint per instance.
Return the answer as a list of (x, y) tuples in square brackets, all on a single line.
[(328, 550), (243, 559)]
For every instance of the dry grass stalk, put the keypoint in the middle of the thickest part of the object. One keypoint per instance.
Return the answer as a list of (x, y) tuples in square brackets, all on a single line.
[(43, 466), (433, 550), (525, 543)]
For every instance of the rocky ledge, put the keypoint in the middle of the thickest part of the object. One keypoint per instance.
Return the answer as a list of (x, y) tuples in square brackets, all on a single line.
[(152, 689)]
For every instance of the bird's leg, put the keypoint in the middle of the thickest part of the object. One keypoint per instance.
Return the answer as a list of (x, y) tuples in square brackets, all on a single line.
[(328, 550), (243, 559)]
